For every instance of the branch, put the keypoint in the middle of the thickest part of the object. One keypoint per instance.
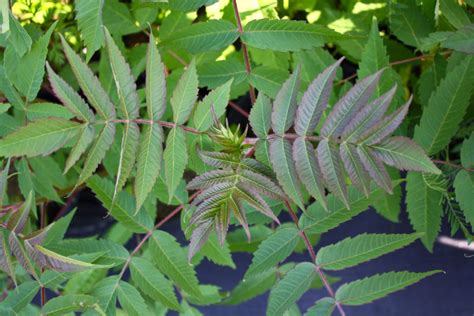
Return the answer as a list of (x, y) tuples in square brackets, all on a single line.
[(313, 257), (453, 165), (245, 52)]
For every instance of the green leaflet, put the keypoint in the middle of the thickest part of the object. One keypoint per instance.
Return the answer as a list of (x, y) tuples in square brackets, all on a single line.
[(126, 88), (118, 19), (283, 165), (293, 285), (277, 247), (380, 285), (89, 84), (424, 208), (467, 152), (461, 40), (131, 300), (284, 106), (43, 110), (123, 207), (155, 88), (4, 181), (204, 36), (68, 303), (22, 296), (446, 108), (284, 35), (149, 159), (171, 259), (317, 220), (308, 169), (40, 137), (89, 21), (152, 283), (97, 152), (332, 169), (405, 154), (464, 188), (128, 149), (175, 159), (454, 13), (353, 251), (268, 80), (216, 101), (260, 116), (188, 5), (216, 73), (85, 139), (26, 72), (18, 37), (322, 307), (252, 287), (216, 253), (410, 24), (106, 292), (9, 91), (185, 94)]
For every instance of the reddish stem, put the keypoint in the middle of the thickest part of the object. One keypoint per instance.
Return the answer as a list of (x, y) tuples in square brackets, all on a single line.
[(313, 257), (453, 165), (245, 52), (236, 107)]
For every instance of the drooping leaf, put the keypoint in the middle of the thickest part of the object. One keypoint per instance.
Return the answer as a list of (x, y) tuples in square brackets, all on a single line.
[(332, 169), (123, 207), (155, 87), (89, 22), (351, 103), (185, 94), (175, 159), (61, 263), (315, 101), (149, 159), (353, 251), (26, 72), (68, 303), (366, 290), (283, 165), (40, 137), (293, 285), (354, 167), (70, 98), (131, 300), (308, 169), (285, 35), (284, 106), (424, 208), (204, 36), (171, 259), (97, 151), (272, 250), (260, 116), (446, 108), (89, 84)]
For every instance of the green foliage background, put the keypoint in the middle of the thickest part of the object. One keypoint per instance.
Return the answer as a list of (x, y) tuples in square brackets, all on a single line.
[(129, 100)]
